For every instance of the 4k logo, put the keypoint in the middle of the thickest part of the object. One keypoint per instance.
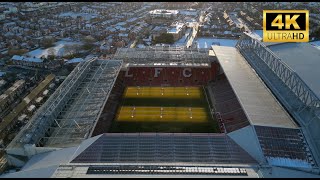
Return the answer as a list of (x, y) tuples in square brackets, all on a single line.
[(285, 25)]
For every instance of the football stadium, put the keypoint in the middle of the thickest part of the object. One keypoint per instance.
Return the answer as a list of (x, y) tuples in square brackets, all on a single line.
[(245, 111)]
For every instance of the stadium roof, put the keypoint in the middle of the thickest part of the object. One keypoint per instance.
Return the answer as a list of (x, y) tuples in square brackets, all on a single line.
[(259, 104), (90, 158), (45, 164), (164, 148), (169, 56), (302, 58), (181, 153), (71, 112)]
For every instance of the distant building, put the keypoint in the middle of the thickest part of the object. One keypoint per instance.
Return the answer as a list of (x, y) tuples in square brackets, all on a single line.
[(2, 74), (157, 31), (27, 61), (178, 4), (2, 17), (11, 94), (34, 62), (177, 30), (74, 61), (2, 83), (12, 10), (162, 13)]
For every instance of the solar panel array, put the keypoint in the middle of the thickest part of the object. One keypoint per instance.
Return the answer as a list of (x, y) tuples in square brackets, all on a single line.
[(164, 147), (284, 143)]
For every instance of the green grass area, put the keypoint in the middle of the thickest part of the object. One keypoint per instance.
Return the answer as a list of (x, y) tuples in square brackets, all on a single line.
[(167, 127), (165, 102)]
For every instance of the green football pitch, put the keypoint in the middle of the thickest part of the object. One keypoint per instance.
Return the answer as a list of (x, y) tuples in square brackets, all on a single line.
[(164, 109)]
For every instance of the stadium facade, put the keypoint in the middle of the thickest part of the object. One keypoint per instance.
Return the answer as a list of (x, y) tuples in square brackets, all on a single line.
[(265, 102)]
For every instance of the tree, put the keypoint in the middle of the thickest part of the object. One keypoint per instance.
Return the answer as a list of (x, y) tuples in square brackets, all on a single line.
[(68, 50), (166, 38), (12, 51), (47, 42), (77, 48), (88, 42), (96, 19), (89, 39), (10, 77), (51, 53), (316, 33)]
